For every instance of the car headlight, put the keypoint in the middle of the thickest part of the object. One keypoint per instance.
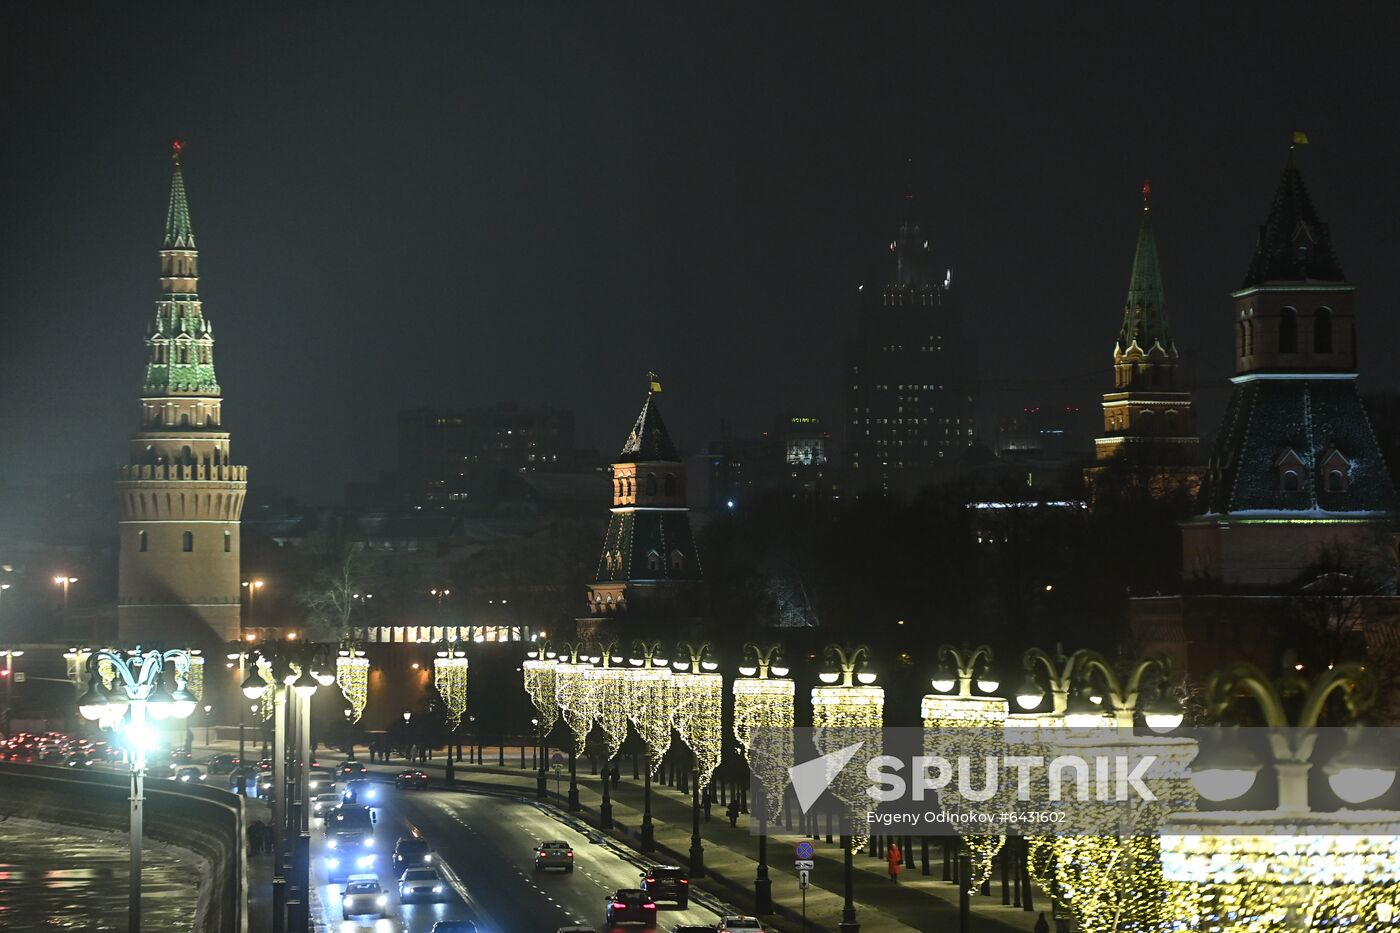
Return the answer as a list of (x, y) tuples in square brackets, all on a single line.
[(332, 842), (427, 858), (332, 863), (365, 861), (369, 843), (381, 900), (437, 889), (345, 901)]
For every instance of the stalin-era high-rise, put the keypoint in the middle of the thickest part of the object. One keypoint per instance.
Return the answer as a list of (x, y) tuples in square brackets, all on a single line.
[(180, 495)]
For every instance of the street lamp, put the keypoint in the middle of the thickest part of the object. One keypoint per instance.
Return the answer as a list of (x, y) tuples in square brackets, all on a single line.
[(9, 674), (252, 586), (139, 690), (699, 705), (64, 581), (765, 702), (577, 707), (539, 671), (652, 707), (207, 710)]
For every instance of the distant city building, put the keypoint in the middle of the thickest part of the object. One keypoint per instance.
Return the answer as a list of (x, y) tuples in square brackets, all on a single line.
[(1149, 440), (910, 376), (1041, 447), (648, 550), (450, 457), (795, 458), (180, 494)]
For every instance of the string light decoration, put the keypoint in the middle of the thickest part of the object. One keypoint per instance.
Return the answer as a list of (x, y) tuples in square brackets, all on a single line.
[(450, 678), (700, 708), (609, 686), (264, 669), (844, 713), (764, 699), (352, 675), (578, 705), (195, 673), (540, 673), (651, 703), (1251, 871), (983, 718)]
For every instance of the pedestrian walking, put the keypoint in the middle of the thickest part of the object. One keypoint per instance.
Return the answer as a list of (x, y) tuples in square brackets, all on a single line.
[(732, 811), (254, 839), (895, 860)]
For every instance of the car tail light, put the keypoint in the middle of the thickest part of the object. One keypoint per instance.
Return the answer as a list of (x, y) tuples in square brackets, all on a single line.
[(571, 855), (685, 881), (618, 905), (651, 881), (648, 906)]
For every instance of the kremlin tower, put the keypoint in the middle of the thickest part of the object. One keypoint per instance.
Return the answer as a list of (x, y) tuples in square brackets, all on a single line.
[(180, 494)]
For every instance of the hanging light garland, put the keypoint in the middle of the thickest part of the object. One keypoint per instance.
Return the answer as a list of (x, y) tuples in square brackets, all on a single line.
[(700, 709), (764, 700), (540, 674), (352, 674), (578, 705), (983, 718), (194, 682), (610, 686), (845, 712), (450, 678), (651, 701)]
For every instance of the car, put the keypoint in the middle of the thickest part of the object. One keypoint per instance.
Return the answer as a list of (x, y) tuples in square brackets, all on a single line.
[(321, 804), (81, 760), (360, 791), (240, 775), (554, 855), (631, 905), (347, 852), (223, 763), (667, 883), (458, 926), (421, 884), (363, 895), (188, 774), (319, 779), (411, 852), (738, 924), (264, 784), (411, 778), (573, 929), (350, 768)]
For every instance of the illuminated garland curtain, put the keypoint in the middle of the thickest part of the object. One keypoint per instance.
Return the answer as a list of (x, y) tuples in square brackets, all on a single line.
[(982, 720), (763, 721), (699, 713), (267, 703), (541, 684), (651, 707), (1109, 874), (195, 683), (352, 675), (450, 678), (1243, 872), (843, 716), (609, 686), (578, 704)]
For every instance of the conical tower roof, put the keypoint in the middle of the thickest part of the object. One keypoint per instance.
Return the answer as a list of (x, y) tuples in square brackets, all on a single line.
[(649, 440), (1294, 244), (179, 234), (1145, 310)]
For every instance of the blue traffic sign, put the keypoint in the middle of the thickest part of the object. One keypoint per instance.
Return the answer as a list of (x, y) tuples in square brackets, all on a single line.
[(804, 850)]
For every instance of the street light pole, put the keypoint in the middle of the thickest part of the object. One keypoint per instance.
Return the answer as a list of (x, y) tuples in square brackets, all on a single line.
[(279, 806), (10, 655), (848, 909)]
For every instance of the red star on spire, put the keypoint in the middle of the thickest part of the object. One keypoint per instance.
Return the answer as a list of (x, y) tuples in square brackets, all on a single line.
[(1146, 193), (177, 145)]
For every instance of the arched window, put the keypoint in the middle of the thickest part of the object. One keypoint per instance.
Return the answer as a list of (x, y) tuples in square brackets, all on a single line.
[(677, 561), (228, 542), (651, 484), (1241, 337), (1290, 480), (1288, 331), (1248, 338), (1336, 481), (141, 538), (670, 485), (1322, 331), (184, 419), (653, 561), (187, 542)]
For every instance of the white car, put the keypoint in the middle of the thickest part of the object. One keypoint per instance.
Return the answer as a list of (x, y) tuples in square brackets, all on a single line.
[(321, 803), (363, 895), (424, 883), (739, 925)]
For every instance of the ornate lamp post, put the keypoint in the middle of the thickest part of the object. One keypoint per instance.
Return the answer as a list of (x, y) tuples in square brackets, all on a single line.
[(699, 708), (608, 685), (651, 707), (578, 706), (1291, 867), (139, 691), (764, 699), (352, 674), (450, 678), (848, 708), (540, 673)]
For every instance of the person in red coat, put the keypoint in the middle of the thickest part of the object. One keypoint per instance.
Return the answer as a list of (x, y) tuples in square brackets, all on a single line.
[(895, 859)]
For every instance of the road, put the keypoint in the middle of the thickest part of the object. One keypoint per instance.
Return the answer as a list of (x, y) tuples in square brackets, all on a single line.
[(487, 844)]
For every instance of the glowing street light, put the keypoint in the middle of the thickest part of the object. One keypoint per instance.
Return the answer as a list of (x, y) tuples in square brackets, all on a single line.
[(764, 699), (253, 587)]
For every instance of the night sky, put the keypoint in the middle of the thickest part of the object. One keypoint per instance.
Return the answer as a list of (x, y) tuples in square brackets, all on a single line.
[(406, 204)]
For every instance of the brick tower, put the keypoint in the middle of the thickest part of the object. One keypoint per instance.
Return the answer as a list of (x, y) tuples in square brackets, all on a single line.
[(1149, 440), (179, 493), (1296, 468)]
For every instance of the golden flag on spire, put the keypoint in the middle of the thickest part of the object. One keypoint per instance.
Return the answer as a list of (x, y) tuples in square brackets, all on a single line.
[(1300, 138), (654, 381)]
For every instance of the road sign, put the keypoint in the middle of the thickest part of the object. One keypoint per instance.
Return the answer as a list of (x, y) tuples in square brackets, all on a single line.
[(803, 879), (21, 677), (804, 850), (557, 758), (805, 864)]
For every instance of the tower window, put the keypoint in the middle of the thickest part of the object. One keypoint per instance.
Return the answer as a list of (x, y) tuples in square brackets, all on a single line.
[(1288, 331), (1322, 331), (228, 542), (651, 484), (670, 485), (653, 561), (1290, 480), (1248, 338), (677, 561), (187, 542), (141, 539), (1336, 482)]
